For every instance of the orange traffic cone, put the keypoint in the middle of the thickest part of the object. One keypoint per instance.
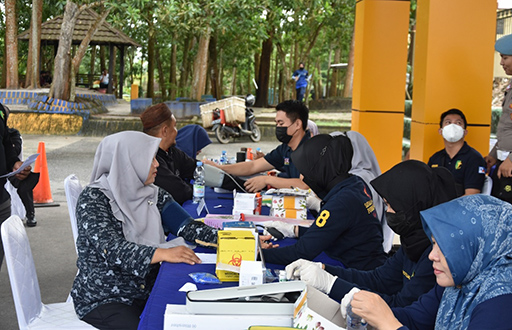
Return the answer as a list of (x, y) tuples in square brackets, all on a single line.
[(42, 191)]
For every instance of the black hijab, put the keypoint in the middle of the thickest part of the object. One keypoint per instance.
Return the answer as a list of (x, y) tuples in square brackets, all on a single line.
[(324, 161), (410, 187)]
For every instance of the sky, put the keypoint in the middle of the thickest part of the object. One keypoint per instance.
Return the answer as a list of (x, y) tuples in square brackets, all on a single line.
[(502, 4)]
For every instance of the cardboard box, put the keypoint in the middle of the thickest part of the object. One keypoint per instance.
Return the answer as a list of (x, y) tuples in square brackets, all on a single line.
[(234, 246), (251, 273), (314, 309), (177, 317), (289, 213), (289, 202)]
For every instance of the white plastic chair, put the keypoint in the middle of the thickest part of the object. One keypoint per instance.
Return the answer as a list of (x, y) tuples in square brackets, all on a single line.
[(487, 188), (72, 188), (31, 312)]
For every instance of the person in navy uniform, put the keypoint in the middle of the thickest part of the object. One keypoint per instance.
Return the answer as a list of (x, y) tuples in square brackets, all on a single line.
[(291, 126), (465, 163), (301, 77)]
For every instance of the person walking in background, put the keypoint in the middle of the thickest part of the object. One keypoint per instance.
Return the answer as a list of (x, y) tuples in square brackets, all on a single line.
[(301, 77)]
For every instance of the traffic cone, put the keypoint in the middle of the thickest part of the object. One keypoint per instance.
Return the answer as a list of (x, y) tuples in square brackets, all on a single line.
[(42, 191)]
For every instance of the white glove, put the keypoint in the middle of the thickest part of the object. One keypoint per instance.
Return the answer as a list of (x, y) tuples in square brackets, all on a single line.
[(294, 269), (346, 301), (287, 229), (313, 203), (318, 278)]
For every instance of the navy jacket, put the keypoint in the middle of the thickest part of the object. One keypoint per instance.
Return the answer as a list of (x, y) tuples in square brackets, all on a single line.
[(400, 281), (421, 315), (347, 229)]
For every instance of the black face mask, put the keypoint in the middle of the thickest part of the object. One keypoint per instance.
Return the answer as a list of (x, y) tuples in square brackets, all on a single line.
[(282, 135), (398, 223)]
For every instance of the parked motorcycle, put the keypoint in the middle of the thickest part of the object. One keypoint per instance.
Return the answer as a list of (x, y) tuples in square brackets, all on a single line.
[(224, 130)]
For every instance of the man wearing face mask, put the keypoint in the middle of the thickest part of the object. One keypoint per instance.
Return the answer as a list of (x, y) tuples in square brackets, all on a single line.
[(291, 124), (465, 163)]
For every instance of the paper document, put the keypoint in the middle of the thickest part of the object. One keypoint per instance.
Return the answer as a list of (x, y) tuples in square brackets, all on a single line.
[(26, 163), (207, 258)]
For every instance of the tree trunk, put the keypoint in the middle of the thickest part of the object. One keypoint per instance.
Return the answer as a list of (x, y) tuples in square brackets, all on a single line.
[(172, 79), (61, 72), (150, 92), (33, 64), (233, 79), (214, 68), (84, 45), (257, 62), (263, 76), (11, 44), (161, 78), (349, 76), (103, 59), (187, 46), (333, 87), (200, 66), (90, 76)]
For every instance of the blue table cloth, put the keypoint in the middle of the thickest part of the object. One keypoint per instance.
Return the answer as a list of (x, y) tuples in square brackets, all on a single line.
[(172, 277)]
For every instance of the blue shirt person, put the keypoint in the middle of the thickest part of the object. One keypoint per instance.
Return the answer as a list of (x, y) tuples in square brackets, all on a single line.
[(301, 77)]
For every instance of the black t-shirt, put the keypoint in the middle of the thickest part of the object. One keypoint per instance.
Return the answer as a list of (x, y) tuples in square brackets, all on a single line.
[(281, 160), (174, 173), (468, 167)]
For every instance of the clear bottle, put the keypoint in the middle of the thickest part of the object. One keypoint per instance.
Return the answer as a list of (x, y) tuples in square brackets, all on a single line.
[(198, 194), (354, 321), (223, 158)]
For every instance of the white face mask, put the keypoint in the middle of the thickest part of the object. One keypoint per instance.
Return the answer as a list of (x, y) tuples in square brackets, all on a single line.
[(453, 133)]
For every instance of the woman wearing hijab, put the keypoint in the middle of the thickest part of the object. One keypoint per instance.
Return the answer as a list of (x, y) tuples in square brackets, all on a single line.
[(192, 139), (347, 228), (472, 261), (120, 236), (408, 188)]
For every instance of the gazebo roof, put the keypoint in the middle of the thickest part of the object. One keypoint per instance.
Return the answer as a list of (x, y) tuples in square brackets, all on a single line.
[(106, 34)]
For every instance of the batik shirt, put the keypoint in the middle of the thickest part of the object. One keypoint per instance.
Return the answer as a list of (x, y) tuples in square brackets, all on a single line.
[(111, 269)]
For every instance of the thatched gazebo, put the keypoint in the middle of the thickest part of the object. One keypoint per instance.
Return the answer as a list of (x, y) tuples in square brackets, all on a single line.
[(106, 35)]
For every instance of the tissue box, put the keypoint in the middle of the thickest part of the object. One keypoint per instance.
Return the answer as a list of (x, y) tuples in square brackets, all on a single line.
[(234, 245), (314, 309), (251, 273), (244, 201), (289, 202), (289, 213)]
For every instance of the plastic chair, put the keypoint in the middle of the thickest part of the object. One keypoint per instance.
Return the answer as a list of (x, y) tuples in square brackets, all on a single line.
[(30, 311), (72, 188), (487, 188)]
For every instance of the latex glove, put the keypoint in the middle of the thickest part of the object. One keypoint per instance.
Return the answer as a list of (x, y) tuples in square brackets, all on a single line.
[(294, 269), (313, 203), (318, 278), (287, 229), (346, 301)]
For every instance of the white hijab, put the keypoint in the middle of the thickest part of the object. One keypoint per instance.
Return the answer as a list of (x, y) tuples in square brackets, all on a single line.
[(121, 167)]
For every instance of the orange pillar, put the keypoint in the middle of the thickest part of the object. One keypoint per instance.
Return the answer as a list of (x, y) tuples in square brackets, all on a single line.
[(380, 54), (453, 68)]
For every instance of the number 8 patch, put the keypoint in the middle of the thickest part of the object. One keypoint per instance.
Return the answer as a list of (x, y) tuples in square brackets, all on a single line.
[(322, 218)]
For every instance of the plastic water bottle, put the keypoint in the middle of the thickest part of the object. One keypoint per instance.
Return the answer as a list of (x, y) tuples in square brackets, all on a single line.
[(354, 321), (223, 158), (198, 183)]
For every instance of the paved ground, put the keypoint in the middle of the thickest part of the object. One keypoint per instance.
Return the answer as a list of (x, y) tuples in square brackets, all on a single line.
[(51, 240)]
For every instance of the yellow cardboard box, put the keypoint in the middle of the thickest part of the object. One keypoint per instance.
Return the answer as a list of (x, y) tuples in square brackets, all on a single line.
[(234, 245)]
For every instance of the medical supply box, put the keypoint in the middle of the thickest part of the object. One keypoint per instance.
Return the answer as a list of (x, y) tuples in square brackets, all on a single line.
[(234, 245)]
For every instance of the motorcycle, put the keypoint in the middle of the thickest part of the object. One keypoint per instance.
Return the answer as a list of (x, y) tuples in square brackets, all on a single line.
[(224, 130)]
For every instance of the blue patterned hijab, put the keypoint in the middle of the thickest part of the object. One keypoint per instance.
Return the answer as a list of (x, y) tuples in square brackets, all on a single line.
[(475, 235)]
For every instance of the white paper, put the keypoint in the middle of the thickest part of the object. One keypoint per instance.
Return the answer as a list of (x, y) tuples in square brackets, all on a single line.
[(207, 258), (26, 163), (188, 287)]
